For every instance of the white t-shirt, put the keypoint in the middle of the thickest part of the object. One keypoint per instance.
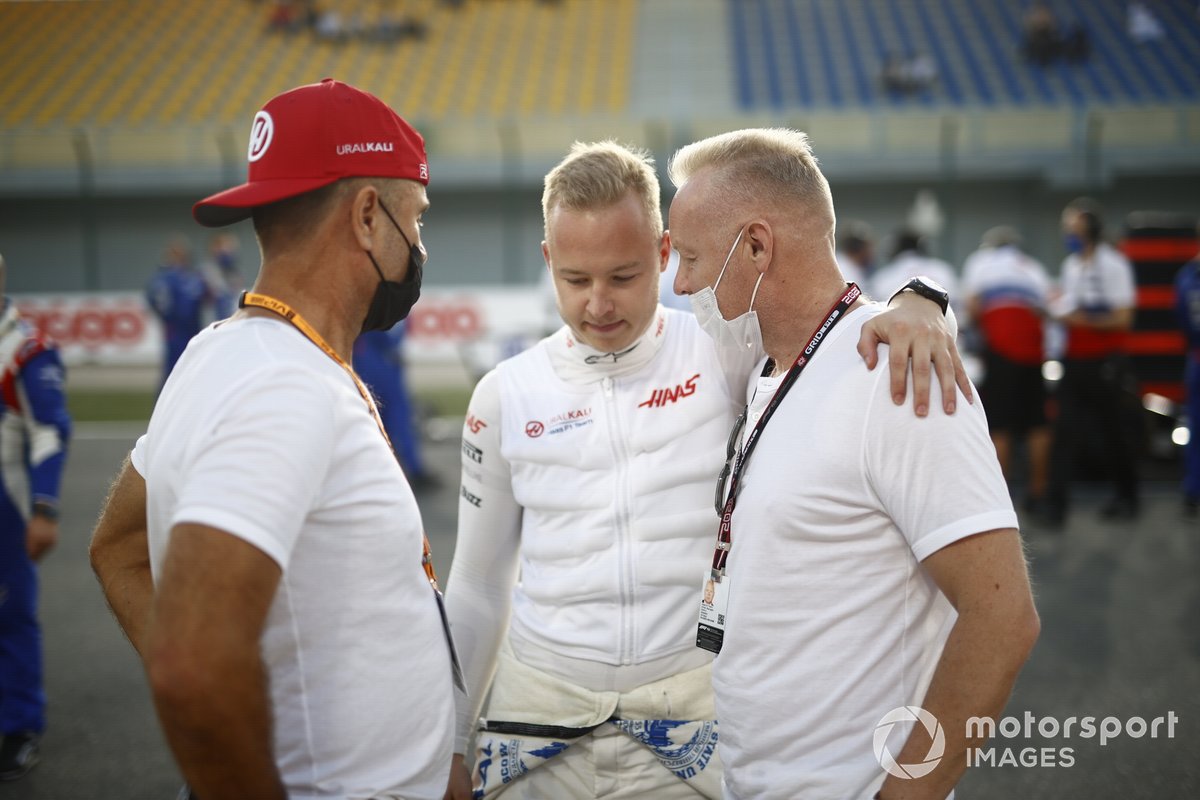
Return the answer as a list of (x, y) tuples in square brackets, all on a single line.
[(1012, 290), (1005, 274), (888, 279), (260, 434), (831, 621), (1101, 284)]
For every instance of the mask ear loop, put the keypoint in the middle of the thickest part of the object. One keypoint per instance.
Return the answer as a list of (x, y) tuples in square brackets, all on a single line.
[(754, 294), (727, 259)]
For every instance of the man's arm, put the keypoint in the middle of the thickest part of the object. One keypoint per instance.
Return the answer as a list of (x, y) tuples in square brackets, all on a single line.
[(202, 659), (49, 428), (915, 329), (121, 556), (484, 572), (986, 580)]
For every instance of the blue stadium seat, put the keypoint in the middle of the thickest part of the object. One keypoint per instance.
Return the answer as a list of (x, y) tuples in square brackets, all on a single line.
[(830, 54)]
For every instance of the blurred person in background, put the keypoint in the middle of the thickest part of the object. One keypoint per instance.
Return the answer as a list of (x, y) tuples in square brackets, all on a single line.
[(1187, 306), (177, 294), (588, 469), (856, 251), (1005, 292), (910, 257), (379, 361), (1096, 305), (34, 429), (221, 274), (1042, 40)]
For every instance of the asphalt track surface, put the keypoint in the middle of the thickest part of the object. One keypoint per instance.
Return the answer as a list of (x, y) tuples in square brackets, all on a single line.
[(1120, 607)]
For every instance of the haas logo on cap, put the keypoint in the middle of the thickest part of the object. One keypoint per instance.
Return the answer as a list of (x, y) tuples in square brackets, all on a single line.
[(261, 134)]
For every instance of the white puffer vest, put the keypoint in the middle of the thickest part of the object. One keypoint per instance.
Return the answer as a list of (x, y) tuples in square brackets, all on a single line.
[(616, 479)]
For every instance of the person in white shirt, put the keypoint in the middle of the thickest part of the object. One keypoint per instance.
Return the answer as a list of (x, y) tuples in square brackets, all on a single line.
[(1096, 304), (855, 251), (866, 561), (1006, 294), (588, 469), (909, 258), (261, 548)]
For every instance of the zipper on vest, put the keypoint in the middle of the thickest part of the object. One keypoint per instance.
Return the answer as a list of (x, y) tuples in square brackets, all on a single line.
[(625, 564)]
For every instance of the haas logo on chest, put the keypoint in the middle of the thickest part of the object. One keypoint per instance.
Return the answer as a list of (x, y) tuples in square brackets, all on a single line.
[(660, 397)]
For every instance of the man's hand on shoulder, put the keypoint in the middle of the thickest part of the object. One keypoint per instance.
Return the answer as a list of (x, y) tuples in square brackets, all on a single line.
[(915, 330)]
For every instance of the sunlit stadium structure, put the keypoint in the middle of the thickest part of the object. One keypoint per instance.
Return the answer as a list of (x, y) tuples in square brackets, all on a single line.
[(116, 114)]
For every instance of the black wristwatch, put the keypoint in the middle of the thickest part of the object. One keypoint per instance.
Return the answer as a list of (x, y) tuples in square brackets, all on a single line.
[(927, 288), (46, 510)]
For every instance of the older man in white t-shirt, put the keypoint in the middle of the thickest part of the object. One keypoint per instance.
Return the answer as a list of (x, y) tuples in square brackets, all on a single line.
[(261, 549), (866, 561)]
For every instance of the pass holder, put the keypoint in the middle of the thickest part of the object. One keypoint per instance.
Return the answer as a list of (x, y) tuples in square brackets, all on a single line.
[(714, 604)]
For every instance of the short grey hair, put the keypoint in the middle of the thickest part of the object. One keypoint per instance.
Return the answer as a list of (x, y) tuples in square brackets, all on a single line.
[(755, 164)]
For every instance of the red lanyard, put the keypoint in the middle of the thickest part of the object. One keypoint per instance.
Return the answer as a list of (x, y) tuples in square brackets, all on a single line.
[(725, 531), (310, 333)]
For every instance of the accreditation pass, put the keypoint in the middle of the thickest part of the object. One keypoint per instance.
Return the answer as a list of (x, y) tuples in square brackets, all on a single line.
[(713, 605)]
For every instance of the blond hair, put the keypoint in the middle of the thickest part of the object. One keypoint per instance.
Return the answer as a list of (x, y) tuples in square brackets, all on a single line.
[(775, 165), (599, 174)]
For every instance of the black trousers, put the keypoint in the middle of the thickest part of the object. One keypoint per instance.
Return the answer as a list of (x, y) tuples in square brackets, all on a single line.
[(1094, 401)]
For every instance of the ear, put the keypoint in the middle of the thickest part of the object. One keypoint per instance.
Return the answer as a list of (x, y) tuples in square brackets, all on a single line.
[(546, 255), (761, 240), (664, 251), (365, 216)]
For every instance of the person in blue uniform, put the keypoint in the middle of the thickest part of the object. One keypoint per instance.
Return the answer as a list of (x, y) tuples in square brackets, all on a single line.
[(379, 361), (177, 294), (34, 428)]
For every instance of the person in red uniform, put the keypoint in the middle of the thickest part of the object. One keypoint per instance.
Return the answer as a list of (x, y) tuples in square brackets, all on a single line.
[(1006, 292)]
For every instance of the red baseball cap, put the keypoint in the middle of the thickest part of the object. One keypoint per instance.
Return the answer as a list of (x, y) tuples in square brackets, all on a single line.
[(310, 137)]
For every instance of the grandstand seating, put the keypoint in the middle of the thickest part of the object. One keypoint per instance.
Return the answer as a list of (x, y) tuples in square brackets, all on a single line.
[(500, 87), (829, 54), (172, 62)]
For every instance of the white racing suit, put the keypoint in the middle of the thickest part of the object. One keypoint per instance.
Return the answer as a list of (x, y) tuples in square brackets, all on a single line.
[(592, 476)]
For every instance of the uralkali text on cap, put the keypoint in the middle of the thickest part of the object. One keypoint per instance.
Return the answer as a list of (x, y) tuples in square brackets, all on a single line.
[(310, 137)]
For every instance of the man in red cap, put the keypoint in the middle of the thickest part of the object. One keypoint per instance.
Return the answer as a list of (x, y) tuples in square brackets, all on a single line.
[(260, 547)]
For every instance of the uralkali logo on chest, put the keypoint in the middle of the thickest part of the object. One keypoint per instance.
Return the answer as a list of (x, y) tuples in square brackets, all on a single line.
[(671, 394), (560, 423)]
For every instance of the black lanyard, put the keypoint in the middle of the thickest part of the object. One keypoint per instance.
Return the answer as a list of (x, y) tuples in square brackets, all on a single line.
[(725, 531)]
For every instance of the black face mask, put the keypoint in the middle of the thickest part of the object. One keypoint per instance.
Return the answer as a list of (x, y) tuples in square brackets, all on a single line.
[(394, 299)]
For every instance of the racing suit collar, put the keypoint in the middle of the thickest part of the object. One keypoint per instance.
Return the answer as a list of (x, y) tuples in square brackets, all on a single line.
[(577, 362)]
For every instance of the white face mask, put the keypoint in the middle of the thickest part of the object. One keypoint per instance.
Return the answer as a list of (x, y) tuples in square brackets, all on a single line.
[(738, 337)]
